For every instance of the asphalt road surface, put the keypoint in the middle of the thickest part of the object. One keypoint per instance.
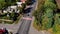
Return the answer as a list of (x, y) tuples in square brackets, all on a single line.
[(24, 27), (26, 21)]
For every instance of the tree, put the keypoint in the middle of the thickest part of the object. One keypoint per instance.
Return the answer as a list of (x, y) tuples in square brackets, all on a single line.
[(49, 8), (39, 12), (45, 13), (23, 7), (47, 18), (56, 28), (10, 2), (13, 16), (49, 5), (2, 4), (28, 2)]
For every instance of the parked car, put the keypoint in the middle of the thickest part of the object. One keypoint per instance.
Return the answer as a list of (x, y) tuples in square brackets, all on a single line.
[(2, 31)]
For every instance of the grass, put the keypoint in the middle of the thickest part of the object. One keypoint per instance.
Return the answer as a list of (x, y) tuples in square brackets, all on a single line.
[(56, 29), (36, 26), (4, 16), (6, 22), (1, 0), (50, 30), (0, 21)]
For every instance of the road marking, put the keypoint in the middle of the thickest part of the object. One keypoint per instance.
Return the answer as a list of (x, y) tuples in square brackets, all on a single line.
[(27, 18)]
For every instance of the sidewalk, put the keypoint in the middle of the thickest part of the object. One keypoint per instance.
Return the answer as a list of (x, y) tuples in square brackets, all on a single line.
[(11, 27)]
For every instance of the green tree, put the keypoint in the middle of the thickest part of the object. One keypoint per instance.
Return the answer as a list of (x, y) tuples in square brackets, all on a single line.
[(47, 18), (39, 12), (10, 2), (2, 4), (49, 8), (13, 16), (23, 7), (50, 5), (28, 2), (56, 28)]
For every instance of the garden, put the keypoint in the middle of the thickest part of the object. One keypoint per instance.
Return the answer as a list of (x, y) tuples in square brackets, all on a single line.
[(47, 16)]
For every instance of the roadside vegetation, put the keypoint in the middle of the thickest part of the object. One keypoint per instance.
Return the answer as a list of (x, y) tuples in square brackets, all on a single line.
[(46, 16), (37, 14), (6, 3)]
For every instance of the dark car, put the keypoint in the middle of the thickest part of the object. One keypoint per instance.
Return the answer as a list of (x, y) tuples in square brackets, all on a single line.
[(5, 31)]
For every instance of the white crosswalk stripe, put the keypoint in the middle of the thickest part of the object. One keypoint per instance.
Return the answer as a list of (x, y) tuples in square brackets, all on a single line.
[(27, 18)]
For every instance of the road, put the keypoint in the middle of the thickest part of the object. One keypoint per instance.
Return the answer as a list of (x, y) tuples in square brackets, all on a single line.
[(24, 27), (26, 21)]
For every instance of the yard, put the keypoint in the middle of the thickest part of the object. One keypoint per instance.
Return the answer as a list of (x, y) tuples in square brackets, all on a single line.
[(9, 18)]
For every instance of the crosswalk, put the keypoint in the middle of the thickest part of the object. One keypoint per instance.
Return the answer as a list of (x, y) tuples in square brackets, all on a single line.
[(27, 18)]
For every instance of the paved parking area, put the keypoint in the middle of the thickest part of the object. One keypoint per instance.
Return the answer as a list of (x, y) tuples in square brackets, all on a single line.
[(10, 27)]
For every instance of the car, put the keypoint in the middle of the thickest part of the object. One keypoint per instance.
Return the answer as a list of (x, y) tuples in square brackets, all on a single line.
[(2, 31)]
